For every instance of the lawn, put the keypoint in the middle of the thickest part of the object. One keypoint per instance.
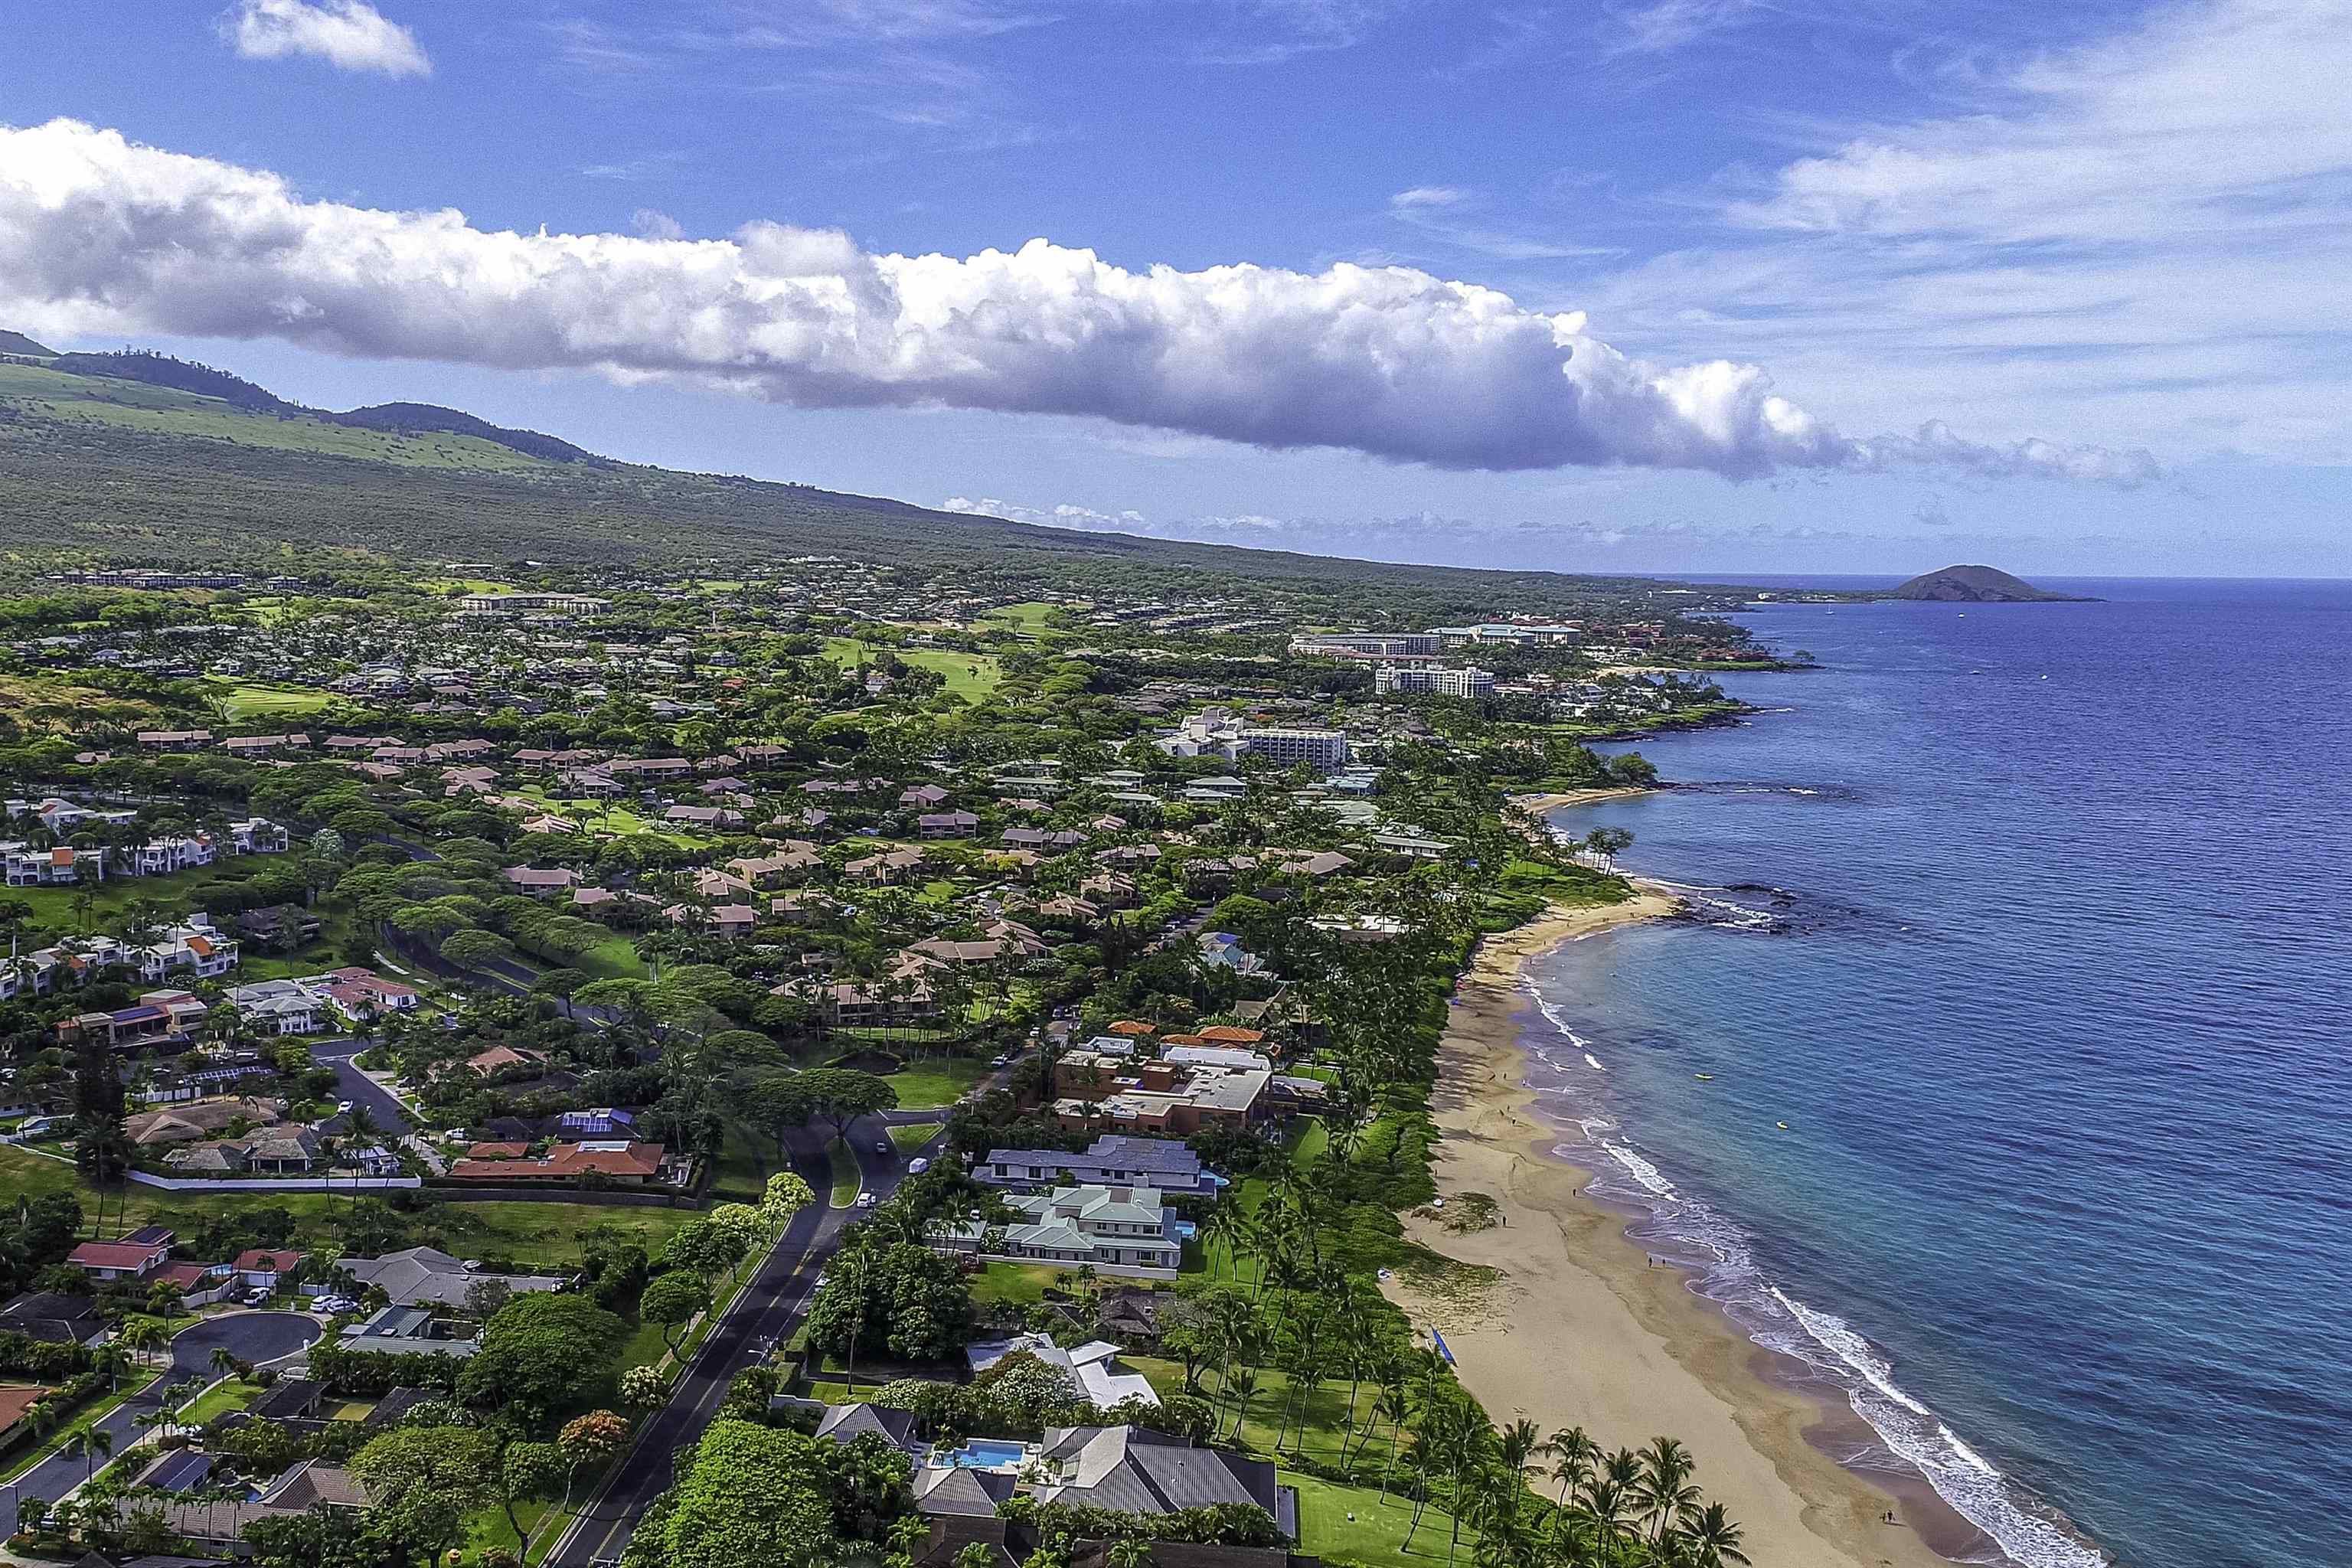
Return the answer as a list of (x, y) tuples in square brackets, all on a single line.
[(1011, 1284), (971, 676), (1029, 619), (606, 816), (1356, 1524), (614, 958), (531, 1232), (249, 700), (53, 908), (548, 1233), (911, 1137), (846, 1182), (235, 1393), (1324, 1407), (936, 1082)]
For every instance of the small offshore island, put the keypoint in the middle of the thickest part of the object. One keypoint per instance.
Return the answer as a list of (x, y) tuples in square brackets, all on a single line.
[(1979, 585)]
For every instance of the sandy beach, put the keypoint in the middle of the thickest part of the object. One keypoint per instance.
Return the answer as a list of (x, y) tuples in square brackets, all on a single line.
[(1582, 1330), (1553, 800)]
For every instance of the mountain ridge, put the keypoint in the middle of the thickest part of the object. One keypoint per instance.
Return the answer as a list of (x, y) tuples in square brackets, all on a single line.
[(129, 469), (152, 369)]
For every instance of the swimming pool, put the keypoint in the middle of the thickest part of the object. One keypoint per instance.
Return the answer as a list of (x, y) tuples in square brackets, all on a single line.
[(984, 1454)]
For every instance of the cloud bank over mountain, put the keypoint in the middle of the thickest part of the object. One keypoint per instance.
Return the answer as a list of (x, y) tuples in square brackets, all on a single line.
[(98, 233)]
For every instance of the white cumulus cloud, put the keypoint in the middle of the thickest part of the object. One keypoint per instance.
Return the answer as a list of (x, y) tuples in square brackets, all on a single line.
[(351, 34), (98, 233)]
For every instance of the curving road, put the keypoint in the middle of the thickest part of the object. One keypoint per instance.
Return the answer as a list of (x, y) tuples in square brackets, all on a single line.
[(765, 1314), (259, 1337)]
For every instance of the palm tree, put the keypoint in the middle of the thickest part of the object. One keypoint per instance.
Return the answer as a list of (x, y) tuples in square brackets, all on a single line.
[(1572, 1454), (90, 1445), (1518, 1442), (1663, 1489), (1244, 1384), (224, 1361), (110, 1360), (1709, 1539), (1391, 1406)]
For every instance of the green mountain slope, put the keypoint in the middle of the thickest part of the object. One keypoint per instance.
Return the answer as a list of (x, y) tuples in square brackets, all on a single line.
[(18, 344), (131, 468), (32, 397)]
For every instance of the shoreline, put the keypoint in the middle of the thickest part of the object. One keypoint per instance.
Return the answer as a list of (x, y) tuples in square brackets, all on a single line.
[(1598, 1333), (1542, 801)]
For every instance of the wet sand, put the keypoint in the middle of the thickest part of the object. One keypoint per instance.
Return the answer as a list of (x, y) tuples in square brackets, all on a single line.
[(1583, 1327)]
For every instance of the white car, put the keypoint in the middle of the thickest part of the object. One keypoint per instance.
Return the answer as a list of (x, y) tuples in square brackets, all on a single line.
[(865, 1200), (343, 1108), (918, 1165)]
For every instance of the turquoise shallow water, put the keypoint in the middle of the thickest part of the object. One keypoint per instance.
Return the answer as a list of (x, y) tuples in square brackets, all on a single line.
[(2032, 924)]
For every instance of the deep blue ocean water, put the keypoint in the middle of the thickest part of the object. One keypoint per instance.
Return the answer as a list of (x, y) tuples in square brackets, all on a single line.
[(2035, 928)]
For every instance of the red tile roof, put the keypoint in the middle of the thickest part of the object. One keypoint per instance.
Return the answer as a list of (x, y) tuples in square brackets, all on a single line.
[(116, 1254), (261, 1259)]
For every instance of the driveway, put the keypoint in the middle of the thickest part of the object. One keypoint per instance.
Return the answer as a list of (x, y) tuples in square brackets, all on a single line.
[(259, 1337)]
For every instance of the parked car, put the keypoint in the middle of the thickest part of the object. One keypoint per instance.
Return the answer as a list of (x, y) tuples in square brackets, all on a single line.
[(343, 1108), (865, 1200), (918, 1165)]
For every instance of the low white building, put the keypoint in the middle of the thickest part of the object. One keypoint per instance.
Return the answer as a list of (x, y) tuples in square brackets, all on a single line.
[(1094, 1366), (1124, 1230)]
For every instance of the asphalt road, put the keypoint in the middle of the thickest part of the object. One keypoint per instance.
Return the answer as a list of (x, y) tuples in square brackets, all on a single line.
[(357, 1087), (767, 1312), (249, 1336)]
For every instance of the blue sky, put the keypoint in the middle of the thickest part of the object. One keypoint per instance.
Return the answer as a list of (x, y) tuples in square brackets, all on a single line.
[(2059, 287)]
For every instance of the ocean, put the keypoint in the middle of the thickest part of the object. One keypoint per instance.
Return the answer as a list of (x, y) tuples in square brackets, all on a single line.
[(2022, 997)]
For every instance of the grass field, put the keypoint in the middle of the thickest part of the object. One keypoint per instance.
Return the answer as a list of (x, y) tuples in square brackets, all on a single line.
[(906, 1139), (538, 1233), (53, 908), (936, 1082), (846, 1182), (601, 816), (1354, 1524), (614, 958), (1011, 1284), (248, 699), (219, 1400), (60, 398), (972, 675), (1029, 619)]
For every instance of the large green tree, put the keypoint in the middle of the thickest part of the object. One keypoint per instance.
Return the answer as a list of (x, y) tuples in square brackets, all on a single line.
[(423, 1483), (746, 1497), (543, 1352)]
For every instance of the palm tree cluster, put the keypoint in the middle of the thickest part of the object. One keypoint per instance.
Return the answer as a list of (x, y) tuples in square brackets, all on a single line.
[(1302, 1314), (1625, 1509)]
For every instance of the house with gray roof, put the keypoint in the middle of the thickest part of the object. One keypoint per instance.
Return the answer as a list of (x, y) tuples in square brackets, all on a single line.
[(1115, 1158), (426, 1276), (1135, 1470)]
